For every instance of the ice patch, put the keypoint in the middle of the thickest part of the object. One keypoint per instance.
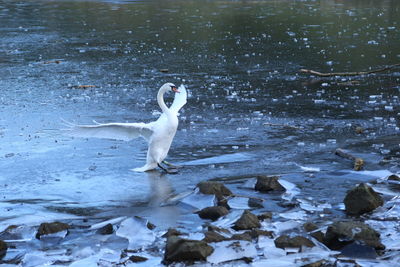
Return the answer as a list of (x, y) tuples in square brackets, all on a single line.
[(239, 203), (232, 250), (199, 201), (294, 215), (291, 189), (227, 158), (136, 232)]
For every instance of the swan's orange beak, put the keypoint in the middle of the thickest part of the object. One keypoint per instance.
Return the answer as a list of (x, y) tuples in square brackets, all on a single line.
[(175, 89)]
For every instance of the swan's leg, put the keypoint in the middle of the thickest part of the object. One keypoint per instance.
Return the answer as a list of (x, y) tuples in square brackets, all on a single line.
[(171, 165), (168, 170)]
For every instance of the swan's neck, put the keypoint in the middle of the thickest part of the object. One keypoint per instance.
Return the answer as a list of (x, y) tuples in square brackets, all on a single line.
[(161, 103)]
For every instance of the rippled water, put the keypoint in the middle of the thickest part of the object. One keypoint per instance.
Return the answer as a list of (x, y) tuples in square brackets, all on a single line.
[(249, 110)]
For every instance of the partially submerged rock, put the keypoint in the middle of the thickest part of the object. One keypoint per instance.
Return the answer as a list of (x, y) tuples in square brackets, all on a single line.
[(246, 236), (268, 183), (135, 258), (51, 228), (247, 221), (309, 226), (255, 233), (179, 249), (3, 249), (213, 213), (285, 241), (340, 234), (265, 216), (171, 232), (214, 188), (107, 229), (211, 236), (362, 199)]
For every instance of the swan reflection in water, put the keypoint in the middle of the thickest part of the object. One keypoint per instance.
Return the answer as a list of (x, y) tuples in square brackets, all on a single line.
[(160, 188)]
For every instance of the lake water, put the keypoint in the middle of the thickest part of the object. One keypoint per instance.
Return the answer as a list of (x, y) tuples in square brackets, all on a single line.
[(249, 110)]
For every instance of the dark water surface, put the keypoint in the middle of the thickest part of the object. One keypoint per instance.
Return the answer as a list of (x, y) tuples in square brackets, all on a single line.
[(249, 110)]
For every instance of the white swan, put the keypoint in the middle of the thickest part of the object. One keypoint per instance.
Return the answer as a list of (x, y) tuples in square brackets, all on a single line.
[(159, 133)]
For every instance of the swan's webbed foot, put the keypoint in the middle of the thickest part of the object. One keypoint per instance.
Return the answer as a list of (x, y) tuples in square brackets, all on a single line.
[(171, 165), (168, 170)]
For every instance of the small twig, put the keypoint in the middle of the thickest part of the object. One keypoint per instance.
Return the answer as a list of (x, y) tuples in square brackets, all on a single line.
[(330, 74), (358, 162)]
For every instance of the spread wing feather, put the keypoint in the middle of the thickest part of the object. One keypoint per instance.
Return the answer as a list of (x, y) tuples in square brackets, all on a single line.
[(117, 131)]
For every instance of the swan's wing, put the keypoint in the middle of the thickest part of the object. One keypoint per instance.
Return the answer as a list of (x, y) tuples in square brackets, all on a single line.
[(117, 131), (179, 100)]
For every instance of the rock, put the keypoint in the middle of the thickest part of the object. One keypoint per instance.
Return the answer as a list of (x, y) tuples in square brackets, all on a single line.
[(255, 233), (3, 249), (268, 183), (178, 250), (246, 236), (340, 234), (285, 241), (171, 232), (150, 226), (213, 213), (362, 199), (51, 228), (265, 216), (211, 236), (309, 226), (107, 229), (247, 221), (223, 202), (214, 188), (135, 258), (319, 236), (393, 177)]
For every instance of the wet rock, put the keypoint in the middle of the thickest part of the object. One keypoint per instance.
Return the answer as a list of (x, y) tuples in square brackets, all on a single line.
[(247, 221), (211, 236), (3, 249), (393, 177), (178, 250), (362, 199), (309, 226), (268, 183), (319, 236), (135, 258), (285, 241), (223, 202), (265, 216), (150, 226), (51, 228), (213, 213), (256, 203), (255, 233), (107, 229), (171, 232), (340, 234), (246, 236), (214, 188)]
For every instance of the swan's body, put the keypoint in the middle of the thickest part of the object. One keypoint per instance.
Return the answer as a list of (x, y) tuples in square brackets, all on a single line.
[(159, 133)]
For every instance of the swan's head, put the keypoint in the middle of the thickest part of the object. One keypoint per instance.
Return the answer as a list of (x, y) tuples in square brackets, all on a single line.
[(169, 87)]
